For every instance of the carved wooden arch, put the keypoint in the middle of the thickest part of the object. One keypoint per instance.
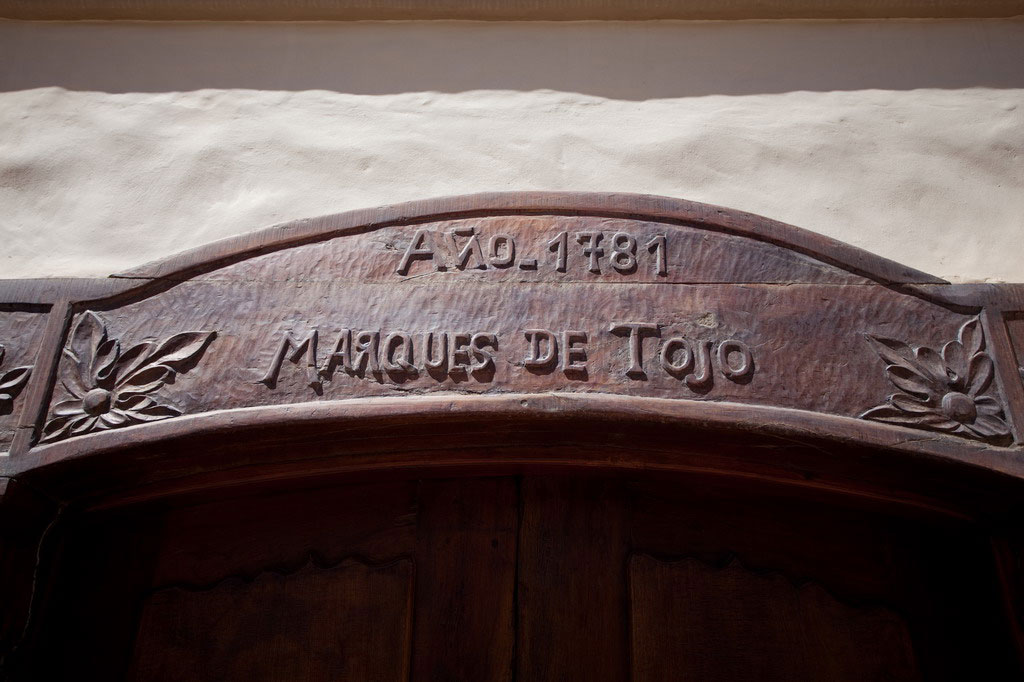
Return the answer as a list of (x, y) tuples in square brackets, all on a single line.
[(606, 332), (697, 352), (897, 348)]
